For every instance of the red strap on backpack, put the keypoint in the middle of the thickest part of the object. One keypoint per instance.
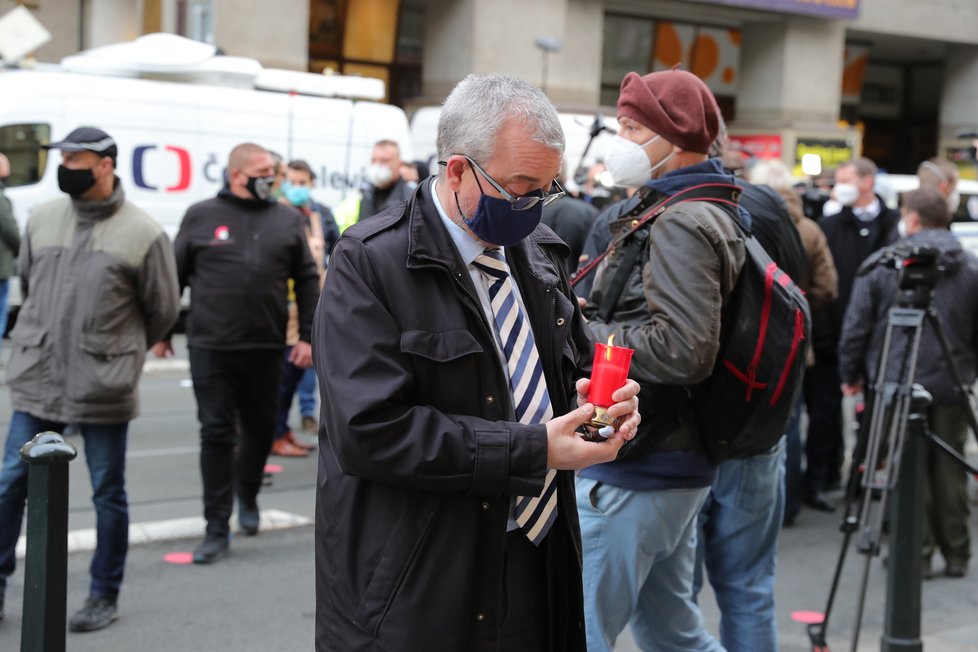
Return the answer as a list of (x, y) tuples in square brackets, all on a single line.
[(720, 193)]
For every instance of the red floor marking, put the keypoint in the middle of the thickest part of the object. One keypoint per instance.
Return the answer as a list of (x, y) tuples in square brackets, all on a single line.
[(273, 468), (807, 617), (178, 557)]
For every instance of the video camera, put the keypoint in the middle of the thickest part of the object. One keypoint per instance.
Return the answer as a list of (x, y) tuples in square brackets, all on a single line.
[(918, 269)]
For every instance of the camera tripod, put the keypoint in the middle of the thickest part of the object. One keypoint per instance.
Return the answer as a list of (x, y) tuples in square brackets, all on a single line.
[(898, 407)]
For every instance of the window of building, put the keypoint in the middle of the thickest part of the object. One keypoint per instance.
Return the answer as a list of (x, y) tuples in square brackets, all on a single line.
[(195, 20), (643, 44), (21, 143), (373, 38)]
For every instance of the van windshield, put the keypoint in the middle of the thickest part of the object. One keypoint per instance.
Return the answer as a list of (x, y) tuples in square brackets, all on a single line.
[(21, 143)]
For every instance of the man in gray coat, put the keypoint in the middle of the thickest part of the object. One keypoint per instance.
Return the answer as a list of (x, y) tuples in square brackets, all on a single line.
[(924, 222), (99, 285)]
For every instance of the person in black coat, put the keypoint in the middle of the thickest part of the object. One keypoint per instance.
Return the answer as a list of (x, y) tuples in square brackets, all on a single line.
[(863, 225), (237, 252), (418, 543)]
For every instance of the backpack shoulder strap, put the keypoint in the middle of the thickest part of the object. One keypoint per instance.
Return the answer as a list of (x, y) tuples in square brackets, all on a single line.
[(724, 195)]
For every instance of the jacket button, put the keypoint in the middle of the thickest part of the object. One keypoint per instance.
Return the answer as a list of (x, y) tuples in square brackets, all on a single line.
[(480, 617), (485, 506), (561, 321), (490, 399)]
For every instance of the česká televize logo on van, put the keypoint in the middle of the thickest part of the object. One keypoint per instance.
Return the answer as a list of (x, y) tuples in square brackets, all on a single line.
[(183, 160)]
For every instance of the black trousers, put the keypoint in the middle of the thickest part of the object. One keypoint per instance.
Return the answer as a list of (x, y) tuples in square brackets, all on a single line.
[(234, 390), (824, 446), (524, 626)]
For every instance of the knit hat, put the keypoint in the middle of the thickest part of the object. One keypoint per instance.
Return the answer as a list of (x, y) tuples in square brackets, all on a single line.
[(675, 104)]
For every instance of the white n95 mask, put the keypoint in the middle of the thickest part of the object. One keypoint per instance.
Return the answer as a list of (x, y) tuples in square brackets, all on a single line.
[(628, 163)]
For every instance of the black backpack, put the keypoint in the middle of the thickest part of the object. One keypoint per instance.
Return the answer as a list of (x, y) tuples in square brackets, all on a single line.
[(743, 407)]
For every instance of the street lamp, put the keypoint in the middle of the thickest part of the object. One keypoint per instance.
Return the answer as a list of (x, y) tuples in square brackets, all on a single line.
[(548, 44)]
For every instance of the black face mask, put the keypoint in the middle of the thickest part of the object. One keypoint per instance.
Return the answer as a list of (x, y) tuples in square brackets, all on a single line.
[(75, 182), (261, 188)]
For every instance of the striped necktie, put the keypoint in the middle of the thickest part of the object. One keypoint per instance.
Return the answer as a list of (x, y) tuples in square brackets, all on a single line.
[(534, 514)]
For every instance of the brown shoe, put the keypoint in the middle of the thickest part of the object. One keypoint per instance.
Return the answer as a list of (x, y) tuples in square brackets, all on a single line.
[(309, 424), (289, 437), (284, 448)]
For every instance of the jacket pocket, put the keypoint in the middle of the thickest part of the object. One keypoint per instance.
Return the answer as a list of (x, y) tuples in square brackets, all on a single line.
[(439, 347), (438, 359), (25, 357), (107, 366), (396, 559)]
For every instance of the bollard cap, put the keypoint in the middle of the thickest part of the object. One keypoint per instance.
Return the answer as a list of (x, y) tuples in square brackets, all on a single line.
[(48, 448)]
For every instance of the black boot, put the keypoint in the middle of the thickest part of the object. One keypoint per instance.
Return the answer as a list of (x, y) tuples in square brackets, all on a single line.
[(248, 516), (211, 549), (97, 613)]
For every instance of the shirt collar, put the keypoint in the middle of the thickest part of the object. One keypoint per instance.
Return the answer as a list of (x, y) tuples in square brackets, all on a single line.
[(867, 213), (468, 247)]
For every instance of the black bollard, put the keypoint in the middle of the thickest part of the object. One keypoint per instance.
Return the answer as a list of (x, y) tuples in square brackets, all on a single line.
[(901, 626), (46, 566)]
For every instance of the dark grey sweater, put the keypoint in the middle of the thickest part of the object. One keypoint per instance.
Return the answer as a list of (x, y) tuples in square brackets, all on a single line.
[(956, 301)]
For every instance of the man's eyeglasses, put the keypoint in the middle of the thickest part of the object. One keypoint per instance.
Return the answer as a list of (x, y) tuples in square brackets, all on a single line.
[(518, 203)]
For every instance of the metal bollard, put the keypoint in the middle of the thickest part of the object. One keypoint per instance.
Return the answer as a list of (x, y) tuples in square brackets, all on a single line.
[(901, 624), (46, 566)]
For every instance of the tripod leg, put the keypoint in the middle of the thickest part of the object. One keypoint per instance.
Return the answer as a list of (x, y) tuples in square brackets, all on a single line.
[(886, 438), (860, 604)]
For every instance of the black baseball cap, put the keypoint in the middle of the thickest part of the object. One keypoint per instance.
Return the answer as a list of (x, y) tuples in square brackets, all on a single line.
[(87, 139)]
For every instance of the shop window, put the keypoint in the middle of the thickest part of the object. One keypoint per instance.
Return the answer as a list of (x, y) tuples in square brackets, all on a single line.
[(642, 44)]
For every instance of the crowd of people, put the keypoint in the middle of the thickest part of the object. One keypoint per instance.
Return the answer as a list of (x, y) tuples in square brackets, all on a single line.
[(453, 354)]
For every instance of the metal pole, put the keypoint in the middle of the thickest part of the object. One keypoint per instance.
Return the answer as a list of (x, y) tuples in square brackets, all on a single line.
[(46, 566), (901, 626)]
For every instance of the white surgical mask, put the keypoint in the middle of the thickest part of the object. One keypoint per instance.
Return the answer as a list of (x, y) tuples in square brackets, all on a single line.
[(628, 163), (379, 175), (846, 193), (953, 201), (902, 228)]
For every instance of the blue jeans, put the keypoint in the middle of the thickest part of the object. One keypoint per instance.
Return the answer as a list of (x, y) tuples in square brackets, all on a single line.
[(105, 453), (738, 542), (291, 379), (307, 393), (4, 298), (639, 550), (792, 466)]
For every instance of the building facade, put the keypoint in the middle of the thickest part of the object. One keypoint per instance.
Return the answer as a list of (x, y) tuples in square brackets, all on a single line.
[(896, 80)]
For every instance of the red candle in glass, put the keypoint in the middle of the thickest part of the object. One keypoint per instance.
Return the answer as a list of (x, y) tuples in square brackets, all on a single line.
[(608, 374)]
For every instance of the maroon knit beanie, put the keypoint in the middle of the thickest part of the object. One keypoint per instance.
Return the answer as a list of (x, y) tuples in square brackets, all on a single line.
[(675, 104)]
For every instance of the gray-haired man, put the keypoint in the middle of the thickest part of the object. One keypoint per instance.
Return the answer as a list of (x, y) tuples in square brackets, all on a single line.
[(447, 344)]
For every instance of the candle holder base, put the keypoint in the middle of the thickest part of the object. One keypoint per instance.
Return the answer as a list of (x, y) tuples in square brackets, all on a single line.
[(601, 418)]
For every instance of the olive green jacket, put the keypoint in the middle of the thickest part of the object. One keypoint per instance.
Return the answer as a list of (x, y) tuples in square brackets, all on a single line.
[(9, 237), (100, 285)]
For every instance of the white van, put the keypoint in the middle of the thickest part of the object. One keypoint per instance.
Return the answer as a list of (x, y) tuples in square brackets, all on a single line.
[(175, 110)]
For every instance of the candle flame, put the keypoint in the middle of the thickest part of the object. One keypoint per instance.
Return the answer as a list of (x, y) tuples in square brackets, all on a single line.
[(611, 343)]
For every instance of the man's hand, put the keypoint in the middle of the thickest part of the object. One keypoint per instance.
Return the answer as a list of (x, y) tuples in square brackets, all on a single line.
[(851, 389), (566, 451), (301, 355), (162, 349), (625, 410)]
